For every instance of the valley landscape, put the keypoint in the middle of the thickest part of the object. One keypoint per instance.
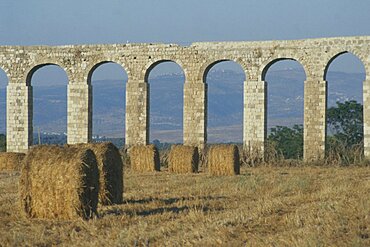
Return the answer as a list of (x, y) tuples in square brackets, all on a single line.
[(225, 104)]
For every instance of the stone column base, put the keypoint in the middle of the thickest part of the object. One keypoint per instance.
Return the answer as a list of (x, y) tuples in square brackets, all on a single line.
[(366, 112), (137, 113), (79, 121), (254, 129), (195, 118), (19, 129), (314, 119)]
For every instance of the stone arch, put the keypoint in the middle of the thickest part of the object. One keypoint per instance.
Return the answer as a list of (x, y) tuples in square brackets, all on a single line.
[(358, 86), (5, 74), (94, 66), (151, 65), (116, 100), (292, 105), (31, 98), (5, 71), (267, 64), (30, 72), (338, 54), (232, 106), (206, 67), (172, 117)]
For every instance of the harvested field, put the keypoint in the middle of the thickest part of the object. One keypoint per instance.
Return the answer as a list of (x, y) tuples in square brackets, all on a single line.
[(308, 206), (11, 161)]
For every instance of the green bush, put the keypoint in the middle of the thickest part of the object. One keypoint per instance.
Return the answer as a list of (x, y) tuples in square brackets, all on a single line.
[(345, 121), (288, 142)]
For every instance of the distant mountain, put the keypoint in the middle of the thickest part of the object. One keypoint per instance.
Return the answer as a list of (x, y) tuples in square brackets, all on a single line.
[(225, 104)]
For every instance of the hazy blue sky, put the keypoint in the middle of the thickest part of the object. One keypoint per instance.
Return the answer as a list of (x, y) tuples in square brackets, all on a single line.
[(28, 22), (48, 22)]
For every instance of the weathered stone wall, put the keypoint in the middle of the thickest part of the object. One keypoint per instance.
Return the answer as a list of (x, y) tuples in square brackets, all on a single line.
[(137, 113), (314, 127), (195, 118), (79, 62), (255, 122), (366, 109), (79, 110)]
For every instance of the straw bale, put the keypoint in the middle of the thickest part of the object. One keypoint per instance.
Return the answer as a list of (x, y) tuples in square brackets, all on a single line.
[(59, 183), (223, 160), (144, 158), (11, 161), (110, 172), (183, 159)]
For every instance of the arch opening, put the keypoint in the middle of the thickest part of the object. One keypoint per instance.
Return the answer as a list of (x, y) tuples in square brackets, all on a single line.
[(3, 84), (285, 107), (288, 63), (166, 93), (224, 108), (49, 109), (108, 80), (346, 62), (345, 74)]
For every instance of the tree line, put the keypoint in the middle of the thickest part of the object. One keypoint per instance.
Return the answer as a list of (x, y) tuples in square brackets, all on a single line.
[(345, 132)]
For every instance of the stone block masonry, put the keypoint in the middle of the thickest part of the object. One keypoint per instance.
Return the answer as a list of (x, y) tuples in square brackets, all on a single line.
[(79, 62)]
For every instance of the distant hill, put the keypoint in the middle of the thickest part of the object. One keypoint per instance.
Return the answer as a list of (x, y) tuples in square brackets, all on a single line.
[(225, 104)]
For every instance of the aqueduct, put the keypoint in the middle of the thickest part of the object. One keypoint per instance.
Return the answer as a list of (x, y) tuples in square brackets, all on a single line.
[(79, 61)]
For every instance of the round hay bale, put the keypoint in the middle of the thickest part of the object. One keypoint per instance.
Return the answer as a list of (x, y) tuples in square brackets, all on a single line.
[(144, 158), (183, 159), (223, 160), (59, 183), (11, 161), (110, 172)]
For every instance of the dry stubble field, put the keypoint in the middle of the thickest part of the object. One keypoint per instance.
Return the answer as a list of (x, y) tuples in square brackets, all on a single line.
[(308, 206)]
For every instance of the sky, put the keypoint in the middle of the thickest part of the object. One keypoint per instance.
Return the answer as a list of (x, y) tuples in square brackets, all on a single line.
[(48, 22), (34, 22)]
